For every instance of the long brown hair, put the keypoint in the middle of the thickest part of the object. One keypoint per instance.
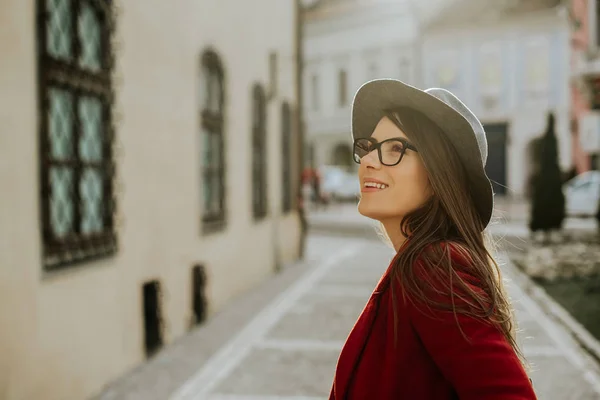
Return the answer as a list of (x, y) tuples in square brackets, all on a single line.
[(449, 216)]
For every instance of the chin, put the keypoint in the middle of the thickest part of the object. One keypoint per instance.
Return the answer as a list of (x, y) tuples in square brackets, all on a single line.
[(375, 211), (371, 211)]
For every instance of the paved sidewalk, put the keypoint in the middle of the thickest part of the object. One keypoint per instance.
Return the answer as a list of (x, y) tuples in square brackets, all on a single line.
[(281, 341), (289, 350)]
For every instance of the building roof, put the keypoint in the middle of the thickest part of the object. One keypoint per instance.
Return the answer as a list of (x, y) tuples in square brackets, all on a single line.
[(324, 9), (464, 12), (434, 13), (424, 10)]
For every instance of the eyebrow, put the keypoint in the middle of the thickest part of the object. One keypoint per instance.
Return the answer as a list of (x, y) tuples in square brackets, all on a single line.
[(392, 138)]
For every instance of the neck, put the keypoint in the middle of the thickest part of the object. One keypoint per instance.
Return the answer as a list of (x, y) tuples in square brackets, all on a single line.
[(392, 229)]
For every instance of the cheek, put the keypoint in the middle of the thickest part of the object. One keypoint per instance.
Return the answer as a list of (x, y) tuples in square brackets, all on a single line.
[(412, 186), (424, 185)]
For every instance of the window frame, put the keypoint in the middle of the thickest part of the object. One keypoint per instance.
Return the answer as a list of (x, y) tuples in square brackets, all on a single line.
[(286, 158), (80, 82), (259, 153), (315, 94), (212, 123), (342, 88)]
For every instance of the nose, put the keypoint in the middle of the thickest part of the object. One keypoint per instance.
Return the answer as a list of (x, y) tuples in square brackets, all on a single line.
[(371, 160)]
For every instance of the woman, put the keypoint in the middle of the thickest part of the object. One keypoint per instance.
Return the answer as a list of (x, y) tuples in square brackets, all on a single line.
[(439, 324)]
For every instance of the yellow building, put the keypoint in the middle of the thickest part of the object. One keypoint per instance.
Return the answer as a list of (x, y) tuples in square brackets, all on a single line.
[(149, 157)]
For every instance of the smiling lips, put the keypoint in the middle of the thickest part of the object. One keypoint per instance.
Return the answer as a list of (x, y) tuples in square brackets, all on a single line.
[(370, 186)]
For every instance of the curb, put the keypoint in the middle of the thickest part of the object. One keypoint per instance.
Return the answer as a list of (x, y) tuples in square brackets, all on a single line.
[(578, 332)]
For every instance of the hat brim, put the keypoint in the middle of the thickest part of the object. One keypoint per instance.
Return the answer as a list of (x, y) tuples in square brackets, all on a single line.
[(375, 97)]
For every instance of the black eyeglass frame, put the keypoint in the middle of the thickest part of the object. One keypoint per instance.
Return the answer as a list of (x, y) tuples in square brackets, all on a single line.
[(377, 146)]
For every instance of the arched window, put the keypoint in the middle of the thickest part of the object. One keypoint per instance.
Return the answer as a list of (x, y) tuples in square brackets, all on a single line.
[(342, 155), (75, 64), (259, 152), (212, 118), (286, 156), (342, 88)]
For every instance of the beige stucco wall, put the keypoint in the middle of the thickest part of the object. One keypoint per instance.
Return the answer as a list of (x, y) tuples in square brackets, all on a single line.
[(66, 334)]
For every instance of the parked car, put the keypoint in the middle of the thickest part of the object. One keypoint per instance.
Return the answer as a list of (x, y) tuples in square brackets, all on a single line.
[(338, 184), (582, 194)]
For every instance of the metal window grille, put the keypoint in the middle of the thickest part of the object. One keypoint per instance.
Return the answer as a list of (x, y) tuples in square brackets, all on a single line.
[(259, 153), (286, 159), (76, 134), (213, 141), (343, 88)]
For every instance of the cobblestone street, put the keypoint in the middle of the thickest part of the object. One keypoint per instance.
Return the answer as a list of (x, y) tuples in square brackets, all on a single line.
[(288, 350)]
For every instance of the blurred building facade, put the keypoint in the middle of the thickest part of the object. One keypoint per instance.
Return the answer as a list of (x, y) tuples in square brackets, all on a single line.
[(584, 17), (508, 61), (149, 159), (348, 42)]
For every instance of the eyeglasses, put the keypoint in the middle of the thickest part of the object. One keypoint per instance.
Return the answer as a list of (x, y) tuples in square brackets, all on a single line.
[(390, 151)]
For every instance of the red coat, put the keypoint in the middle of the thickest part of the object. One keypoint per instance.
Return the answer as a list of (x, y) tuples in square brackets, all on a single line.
[(432, 359)]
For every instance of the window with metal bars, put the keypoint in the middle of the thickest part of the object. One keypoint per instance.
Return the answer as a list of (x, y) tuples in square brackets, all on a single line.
[(212, 117), (259, 152), (597, 23), (342, 88), (286, 156), (76, 134), (314, 81)]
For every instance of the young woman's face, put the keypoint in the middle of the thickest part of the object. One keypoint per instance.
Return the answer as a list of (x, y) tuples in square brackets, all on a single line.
[(406, 185)]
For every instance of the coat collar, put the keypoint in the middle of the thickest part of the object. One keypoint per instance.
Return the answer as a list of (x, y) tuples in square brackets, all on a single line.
[(357, 340)]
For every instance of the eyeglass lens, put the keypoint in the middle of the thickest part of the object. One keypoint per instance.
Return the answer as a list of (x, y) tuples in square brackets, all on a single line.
[(390, 152)]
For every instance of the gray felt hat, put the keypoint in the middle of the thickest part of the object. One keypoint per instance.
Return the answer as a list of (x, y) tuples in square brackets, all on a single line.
[(445, 109)]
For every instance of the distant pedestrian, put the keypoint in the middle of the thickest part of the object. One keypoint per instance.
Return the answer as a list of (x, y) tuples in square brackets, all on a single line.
[(307, 186), (439, 324), (316, 187)]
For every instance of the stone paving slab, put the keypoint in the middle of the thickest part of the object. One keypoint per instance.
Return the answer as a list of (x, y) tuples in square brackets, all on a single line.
[(174, 365), (530, 333), (553, 379), (283, 372), (327, 318), (287, 348), (294, 359)]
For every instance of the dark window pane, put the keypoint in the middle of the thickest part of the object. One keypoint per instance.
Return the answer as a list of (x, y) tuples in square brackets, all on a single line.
[(214, 92), (91, 193), (286, 132), (216, 150), (210, 96), (207, 191), (213, 193), (203, 87), (207, 152), (342, 83), (90, 38), (58, 29), (215, 205), (61, 201), (90, 120), (60, 121), (259, 151)]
